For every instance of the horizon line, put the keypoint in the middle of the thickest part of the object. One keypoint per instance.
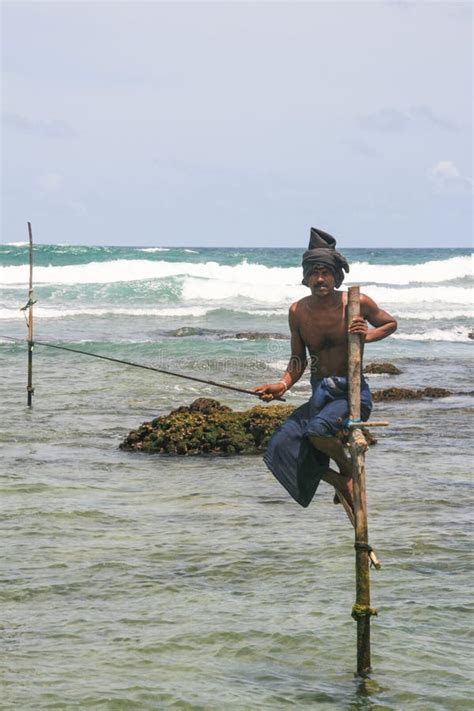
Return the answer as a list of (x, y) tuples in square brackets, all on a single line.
[(24, 243)]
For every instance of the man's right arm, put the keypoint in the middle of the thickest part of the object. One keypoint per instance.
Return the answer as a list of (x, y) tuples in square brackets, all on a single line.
[(295, 367), (298, 360)]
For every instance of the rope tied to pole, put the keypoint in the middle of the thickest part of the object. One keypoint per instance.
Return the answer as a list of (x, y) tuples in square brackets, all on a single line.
[(359, 424), (373, 560), (29, 303), (363, 547), (359, 612), (352, 423)]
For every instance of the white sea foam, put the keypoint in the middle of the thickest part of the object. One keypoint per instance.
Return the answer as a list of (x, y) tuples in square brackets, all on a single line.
[(16, 244), (457, 335), (263, 312), (435, 315), (42, 313), (141, 269), (249, 275), (154, 249), (427, 273), (230, 292), (199, 311), (434, 296), (283, 294), (278, 364)]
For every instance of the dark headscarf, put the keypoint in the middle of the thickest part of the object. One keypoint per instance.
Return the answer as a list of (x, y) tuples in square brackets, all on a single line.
[(321, 252)]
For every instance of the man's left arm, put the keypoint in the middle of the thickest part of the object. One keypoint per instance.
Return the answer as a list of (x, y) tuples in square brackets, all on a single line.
[(384, 324)]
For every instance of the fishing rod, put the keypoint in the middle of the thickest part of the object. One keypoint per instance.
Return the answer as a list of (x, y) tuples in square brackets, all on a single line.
[(140, 365)]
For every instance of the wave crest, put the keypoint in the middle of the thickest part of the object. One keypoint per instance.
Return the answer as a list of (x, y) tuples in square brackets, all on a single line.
[(459, 334), (244, 273)]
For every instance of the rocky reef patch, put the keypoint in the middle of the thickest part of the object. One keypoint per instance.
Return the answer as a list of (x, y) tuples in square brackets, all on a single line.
[(381, 369), (187, 331), (207, 427), (408, 394)]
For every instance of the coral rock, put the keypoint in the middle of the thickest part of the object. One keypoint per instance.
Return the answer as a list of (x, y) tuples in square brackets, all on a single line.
[(408, 394), (382, 368), (207, 427)]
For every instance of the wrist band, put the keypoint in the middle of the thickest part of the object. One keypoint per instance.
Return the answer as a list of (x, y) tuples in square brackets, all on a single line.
[(283, 383)]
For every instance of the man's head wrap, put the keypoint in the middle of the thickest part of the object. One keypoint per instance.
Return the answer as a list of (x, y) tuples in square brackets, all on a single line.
[(321, 253)]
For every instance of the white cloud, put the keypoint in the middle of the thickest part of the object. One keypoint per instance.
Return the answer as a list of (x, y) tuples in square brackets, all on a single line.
[(445, 169), (447, 177)]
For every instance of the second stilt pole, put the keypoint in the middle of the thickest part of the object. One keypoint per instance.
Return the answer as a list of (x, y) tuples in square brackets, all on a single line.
[(29, 308), (361, 610)]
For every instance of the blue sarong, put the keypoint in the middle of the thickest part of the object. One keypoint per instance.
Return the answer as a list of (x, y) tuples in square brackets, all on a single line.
[(291, 457)]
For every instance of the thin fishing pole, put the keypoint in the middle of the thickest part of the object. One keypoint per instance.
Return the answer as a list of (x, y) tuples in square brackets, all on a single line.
[(140, 365)]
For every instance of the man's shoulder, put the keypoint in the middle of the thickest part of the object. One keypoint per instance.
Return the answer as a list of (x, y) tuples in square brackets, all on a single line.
[(366, 301), (298, 306), (301, 303)]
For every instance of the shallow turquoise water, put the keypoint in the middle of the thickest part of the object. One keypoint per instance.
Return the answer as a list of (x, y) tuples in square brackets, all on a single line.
[(149, 582), (46, 254), (135, 582)]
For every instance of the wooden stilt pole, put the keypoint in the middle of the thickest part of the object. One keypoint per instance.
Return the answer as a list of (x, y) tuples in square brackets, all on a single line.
[(29, 387), (361, 611)]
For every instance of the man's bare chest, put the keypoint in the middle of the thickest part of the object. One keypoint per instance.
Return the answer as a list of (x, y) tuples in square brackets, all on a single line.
[(323, 331)]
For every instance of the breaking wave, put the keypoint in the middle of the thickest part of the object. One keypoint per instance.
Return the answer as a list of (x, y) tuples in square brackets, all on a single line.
[(41, 313), (458, 335), (245, 274)]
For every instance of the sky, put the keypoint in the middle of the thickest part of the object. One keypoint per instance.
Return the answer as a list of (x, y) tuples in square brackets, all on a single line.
[(237, 123)]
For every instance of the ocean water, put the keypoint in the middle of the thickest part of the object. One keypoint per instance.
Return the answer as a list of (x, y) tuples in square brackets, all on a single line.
[(145, 582)]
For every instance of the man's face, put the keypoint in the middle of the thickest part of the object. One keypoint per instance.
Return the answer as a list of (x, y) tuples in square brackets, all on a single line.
[(322, 282)]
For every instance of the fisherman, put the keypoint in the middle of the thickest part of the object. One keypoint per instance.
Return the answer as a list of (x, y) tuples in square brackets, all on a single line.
[(299, 451)]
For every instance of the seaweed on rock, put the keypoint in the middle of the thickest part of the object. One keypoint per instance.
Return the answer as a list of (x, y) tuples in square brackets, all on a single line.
[(408, 394), (382, 369), (207, 427)]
